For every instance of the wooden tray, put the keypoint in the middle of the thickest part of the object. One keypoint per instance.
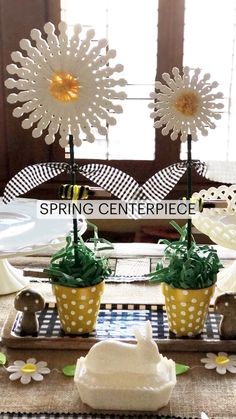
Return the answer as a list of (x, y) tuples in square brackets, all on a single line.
[(114, 321)]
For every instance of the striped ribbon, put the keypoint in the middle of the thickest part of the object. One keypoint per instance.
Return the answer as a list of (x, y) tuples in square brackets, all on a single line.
[(115, 181)]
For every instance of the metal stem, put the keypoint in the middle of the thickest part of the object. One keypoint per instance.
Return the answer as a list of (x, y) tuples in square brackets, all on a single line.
[(73, 182), (189, 188)]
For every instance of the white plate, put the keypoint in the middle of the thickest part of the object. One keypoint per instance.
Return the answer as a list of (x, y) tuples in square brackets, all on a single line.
[(9, 218), (21, 232)]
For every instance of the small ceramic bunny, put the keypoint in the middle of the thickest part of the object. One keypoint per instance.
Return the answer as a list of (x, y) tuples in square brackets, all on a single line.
[(109, 356)]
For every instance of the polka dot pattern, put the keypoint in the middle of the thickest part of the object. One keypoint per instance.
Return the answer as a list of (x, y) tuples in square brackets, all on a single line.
[(78, 307), (186, 309)]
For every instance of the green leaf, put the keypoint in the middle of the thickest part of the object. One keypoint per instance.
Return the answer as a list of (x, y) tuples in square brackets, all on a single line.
[(185, 268), (84, 270), (3, 359), (181, 368), (69, 370)]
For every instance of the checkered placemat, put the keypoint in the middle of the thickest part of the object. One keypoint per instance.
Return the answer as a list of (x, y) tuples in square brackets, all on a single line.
[(117, 321)]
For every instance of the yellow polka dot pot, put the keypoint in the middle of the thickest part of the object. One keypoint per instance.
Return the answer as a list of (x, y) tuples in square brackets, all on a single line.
[(78, 308), (186, 309)]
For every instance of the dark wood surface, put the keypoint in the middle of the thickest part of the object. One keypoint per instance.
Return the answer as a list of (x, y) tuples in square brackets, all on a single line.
[(85, 343)]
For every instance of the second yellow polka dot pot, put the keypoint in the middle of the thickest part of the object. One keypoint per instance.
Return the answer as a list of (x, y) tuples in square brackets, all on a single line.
[(186, 309), (78, 307)]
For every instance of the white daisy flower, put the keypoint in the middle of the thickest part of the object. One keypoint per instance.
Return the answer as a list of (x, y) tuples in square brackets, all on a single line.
[(65, 84), (222, 362), (27, 370), (185, 104)]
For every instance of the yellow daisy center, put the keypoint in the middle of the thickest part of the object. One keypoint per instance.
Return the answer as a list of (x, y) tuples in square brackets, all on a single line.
[(187, 103), (28, 368), (64, 87), (221, 360)]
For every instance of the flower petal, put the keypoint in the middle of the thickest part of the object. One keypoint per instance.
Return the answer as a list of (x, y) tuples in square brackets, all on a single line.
[(19, 363), (232, 357), (37, 377), (205, 360), (25, 379), (13, 368), (211, 355), (210, 366), (15, 376), (31, 361), (223, 354), (41, 364), (43, 370), (221, 370), (231, 368)]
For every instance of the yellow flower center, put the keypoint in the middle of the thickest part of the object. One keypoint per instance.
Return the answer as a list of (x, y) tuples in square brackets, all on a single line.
[(28, 368), (187, 103), (64, 87), (221, 360)]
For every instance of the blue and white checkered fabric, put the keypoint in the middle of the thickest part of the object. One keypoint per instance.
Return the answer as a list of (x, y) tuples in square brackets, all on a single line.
[(117, 321)]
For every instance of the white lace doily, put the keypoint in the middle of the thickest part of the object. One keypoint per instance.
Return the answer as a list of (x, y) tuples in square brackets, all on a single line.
[(218, 223)]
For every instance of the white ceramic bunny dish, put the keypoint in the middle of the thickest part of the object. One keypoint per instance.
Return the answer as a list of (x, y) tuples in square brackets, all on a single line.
[(122, 376)]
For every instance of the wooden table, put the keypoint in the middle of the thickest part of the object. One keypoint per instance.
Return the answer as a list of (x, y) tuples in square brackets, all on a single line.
[(198, 390)]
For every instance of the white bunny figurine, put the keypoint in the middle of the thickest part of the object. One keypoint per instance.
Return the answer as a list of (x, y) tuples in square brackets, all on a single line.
[(109, 356)]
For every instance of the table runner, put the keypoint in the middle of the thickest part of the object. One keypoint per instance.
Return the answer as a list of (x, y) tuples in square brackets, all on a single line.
[(196, 391)]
